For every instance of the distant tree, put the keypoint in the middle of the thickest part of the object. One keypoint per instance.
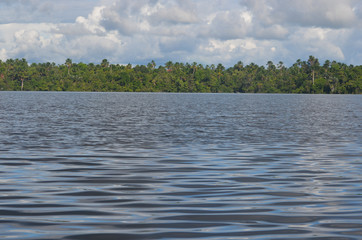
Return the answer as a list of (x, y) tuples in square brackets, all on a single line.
[(239, 66), (105, 63), (313, 64), (68, 63), (271, 66), (169, 65), (18, 71), (151, 65), (302, 77)]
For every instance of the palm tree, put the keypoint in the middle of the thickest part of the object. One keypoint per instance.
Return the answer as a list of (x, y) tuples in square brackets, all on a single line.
[(169, 65), (313, 64), (105, 63), (271, 66), (68, 63), (194, 68)]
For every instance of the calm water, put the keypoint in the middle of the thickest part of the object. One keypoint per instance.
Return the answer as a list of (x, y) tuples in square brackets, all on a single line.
[(180, 166)]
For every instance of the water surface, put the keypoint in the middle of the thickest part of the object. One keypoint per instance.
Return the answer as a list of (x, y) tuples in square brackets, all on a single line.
[(180, 166)]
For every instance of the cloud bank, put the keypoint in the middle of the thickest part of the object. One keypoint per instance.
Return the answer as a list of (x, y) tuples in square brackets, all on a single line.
[(205, 31)]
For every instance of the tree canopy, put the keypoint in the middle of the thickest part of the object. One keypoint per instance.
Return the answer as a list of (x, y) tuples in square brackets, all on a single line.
[(307, 76)]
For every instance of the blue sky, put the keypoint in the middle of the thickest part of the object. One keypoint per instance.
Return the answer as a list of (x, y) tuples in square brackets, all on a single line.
[(202, 31)]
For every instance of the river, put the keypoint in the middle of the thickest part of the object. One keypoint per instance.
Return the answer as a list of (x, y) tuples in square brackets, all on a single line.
[(180, 166)]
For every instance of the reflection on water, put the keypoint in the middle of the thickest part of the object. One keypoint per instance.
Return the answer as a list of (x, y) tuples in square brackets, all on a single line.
[(180, 166)]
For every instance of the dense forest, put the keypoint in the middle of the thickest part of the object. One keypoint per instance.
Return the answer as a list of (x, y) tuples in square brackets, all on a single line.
[(302, 77)]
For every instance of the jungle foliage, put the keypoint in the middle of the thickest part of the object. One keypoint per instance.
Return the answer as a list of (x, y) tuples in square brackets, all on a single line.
[(302, 77)]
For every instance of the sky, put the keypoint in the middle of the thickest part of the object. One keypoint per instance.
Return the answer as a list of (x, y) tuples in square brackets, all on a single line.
[(203, 31)]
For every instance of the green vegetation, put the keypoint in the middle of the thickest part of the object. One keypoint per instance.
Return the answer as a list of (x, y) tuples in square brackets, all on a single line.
[(302, 77)]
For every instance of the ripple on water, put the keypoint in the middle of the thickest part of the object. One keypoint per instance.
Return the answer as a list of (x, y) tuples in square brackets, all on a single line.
[(159, 166)]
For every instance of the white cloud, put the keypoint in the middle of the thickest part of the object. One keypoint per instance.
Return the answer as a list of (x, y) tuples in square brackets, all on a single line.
[(229, 25), (26, 40), (320, 42), (179, 12), (3, 54), (208, 31), (41, 11), (92, 23), (307, 13), (271, 32)]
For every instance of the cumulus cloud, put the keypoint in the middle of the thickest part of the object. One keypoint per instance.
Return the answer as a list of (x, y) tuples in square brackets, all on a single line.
[(92, 23), (168, 12), (132, 17), (323, 42), (41, 11), (3, 54), (307, 13), (229, 25), (30, 41), (271, 32), (207, 31)]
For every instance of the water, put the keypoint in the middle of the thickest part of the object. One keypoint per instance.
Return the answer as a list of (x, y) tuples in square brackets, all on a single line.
[(180, 166)]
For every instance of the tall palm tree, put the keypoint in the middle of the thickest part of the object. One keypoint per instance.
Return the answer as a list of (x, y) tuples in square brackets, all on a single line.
[(68, 63), (313, 64)]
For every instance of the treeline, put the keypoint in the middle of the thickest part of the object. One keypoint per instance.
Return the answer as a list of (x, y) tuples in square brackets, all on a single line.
[(302, 77)]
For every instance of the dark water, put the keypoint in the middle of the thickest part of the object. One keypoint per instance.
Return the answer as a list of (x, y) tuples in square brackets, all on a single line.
[(180, 166)]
